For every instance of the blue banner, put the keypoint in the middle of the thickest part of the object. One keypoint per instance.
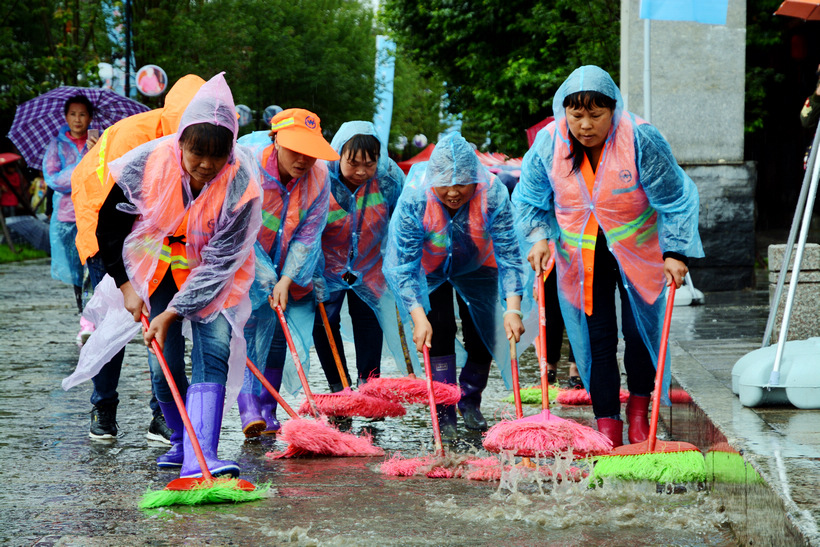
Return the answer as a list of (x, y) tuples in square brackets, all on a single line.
[(710, 12), (385, 72)]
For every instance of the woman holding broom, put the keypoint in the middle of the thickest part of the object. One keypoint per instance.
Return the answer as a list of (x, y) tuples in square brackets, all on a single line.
[(176, 234), (453, 229), (294, 210), (364, 187), (604, 185)]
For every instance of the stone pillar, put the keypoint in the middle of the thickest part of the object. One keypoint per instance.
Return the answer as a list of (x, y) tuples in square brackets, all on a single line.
[(697, 77), (804, 321)]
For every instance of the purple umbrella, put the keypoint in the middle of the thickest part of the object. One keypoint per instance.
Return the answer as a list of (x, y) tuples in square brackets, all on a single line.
[(38, 120)]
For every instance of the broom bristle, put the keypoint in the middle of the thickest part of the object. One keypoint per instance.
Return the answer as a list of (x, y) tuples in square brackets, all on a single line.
[(311, 438), (411, 391), (349, 403), (581, 397), (219, 491), (661, 467), (532, 395), (545, 433), (729, 466)]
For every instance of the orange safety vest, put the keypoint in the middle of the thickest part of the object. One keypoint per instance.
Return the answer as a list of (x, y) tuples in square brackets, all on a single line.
[(613, 199), (438, 238), (292, 205)]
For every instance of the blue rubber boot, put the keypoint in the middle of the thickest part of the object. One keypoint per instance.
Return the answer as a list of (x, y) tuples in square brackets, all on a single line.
[(174, 457), (204, 405), (444, 371), (267, 404), (473, 380)]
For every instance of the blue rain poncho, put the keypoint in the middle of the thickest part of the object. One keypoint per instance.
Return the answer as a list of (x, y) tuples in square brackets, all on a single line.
[(61, 157), (354, 237), (642, 200), (293, 216), (476, 250)]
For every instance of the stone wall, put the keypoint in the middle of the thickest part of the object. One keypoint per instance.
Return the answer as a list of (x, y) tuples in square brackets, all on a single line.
[(804, 321)]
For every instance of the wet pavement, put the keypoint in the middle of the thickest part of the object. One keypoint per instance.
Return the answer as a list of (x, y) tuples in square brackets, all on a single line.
[(64, 489)]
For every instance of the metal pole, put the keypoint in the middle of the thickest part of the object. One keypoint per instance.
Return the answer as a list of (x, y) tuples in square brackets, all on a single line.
[(127, 48), (647, 87)]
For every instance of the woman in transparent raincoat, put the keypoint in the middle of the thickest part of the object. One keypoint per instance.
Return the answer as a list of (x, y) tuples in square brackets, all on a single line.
[(364, 187), (294, 211), (62, 155), (605, 186), (176, 234), (453, 228)]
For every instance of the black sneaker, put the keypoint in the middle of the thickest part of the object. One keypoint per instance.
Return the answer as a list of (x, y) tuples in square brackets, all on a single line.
[(103, 422), (159, 431)]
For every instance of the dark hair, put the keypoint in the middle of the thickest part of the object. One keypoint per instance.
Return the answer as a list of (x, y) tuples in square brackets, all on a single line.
[(79, 99), (587, 100), (365, 143), (207, 139)]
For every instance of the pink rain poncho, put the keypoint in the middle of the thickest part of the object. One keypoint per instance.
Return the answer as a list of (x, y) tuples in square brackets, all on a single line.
[(476, 250), (61, 157), (642, 200), (289, 243), (355, 234), (222, 223)]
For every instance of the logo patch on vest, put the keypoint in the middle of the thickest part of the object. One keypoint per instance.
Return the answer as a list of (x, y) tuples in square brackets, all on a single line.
[(625, 175)]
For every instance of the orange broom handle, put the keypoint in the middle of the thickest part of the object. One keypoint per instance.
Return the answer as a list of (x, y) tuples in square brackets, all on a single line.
[(296, 361), (656, 404), (519, 411), (333, 348), (270, 388), (542, 344), (428, 371), (200, 457)]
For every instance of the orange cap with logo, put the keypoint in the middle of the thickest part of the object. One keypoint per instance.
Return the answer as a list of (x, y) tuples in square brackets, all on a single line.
[(298, 129)]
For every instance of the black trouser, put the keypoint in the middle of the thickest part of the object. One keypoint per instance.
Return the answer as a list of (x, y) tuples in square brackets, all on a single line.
[(442, 317), (605, 378), (555, 321)]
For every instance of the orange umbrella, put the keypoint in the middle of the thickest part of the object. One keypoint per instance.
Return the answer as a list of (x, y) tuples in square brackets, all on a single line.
[(808, 10)]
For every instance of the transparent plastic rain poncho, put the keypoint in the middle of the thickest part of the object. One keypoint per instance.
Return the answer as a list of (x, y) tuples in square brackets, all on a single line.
[(59, 161), (293, 215), (642, 200), (223, 222), (476, 250), (354, 238)]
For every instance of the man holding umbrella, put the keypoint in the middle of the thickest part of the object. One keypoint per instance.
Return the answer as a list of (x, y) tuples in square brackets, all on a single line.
[(90, 186)]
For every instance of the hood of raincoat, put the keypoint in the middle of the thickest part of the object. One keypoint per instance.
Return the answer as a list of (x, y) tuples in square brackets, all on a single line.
[(177, 100), (213, 104), (453, 162), (347, 131), (588, 78)]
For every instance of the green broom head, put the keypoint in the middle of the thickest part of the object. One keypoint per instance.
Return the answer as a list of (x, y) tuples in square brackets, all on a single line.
[(674, 462), (532, 395), (725, 464), (201, 492)]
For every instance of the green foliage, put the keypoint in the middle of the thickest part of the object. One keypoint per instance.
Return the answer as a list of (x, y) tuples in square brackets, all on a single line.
[(502, 61), (315, 54), (416, 105), (24, 252), (764, 37)]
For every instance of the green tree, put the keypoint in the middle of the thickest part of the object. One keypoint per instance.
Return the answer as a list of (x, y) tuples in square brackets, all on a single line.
[(416, 106), (503, 60)]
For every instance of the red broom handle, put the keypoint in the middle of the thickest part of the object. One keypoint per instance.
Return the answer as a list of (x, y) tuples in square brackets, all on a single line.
[(296, 361), (519, 411), (542, 343), (333, 348), (200, 457), (656, 404), (270, 388), (428, 371)]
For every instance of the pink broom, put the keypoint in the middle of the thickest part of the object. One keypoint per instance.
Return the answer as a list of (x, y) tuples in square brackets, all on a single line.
[(311, 438), (581, 397), (347, 402), (544, 433)]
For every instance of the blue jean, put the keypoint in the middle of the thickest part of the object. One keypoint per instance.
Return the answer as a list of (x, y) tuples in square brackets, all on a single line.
[(209, 356), (108, 378), (605, 377), (367, 338)]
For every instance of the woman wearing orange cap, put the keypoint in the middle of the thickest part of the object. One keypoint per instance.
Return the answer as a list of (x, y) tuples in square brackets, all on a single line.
[(294, 211)]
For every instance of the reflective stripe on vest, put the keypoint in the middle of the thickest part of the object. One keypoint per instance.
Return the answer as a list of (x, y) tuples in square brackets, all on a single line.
[(173, 254), (101, 165)]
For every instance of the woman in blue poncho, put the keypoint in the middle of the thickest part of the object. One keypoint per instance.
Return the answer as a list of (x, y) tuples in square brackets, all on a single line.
[(605, 186), (453, 229)]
